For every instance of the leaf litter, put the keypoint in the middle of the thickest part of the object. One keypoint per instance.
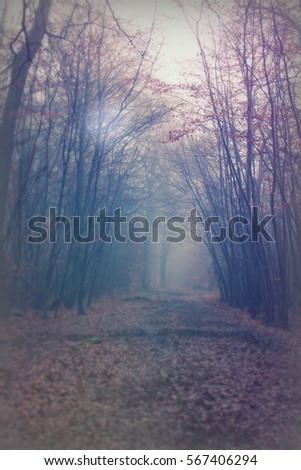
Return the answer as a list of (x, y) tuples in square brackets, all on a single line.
[(155, 372)]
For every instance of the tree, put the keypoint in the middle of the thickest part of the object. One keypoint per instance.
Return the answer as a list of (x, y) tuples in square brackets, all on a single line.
[(23, 47), (79, 149), (250, 115)]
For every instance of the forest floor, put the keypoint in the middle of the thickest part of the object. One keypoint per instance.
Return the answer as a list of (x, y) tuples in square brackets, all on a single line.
[(158, 371)]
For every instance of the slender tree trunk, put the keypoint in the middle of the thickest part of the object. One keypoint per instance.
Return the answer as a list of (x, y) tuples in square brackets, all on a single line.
[(20, 67)]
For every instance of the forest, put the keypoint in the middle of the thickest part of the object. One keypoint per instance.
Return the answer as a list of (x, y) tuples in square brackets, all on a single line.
[(150, 225)]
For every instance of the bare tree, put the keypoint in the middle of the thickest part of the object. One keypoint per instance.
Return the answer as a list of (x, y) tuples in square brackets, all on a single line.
[(79, 149), (251, 114), (24, 47)]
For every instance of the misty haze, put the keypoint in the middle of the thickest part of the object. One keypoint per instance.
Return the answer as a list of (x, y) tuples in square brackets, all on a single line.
[(150, 220)]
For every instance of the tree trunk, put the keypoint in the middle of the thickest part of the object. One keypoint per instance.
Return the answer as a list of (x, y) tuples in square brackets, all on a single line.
[(20, 67)]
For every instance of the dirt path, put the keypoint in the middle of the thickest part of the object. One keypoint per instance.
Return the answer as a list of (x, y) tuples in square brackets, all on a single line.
[(157, 372)]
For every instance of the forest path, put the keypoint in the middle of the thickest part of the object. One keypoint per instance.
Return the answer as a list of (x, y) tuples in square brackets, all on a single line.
[(157, 371)]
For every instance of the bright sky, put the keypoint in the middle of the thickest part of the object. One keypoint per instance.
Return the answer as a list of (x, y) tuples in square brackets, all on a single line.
[(171, 26), (179, 43)]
